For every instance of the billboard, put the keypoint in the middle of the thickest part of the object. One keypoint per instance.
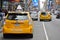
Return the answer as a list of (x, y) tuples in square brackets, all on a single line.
[(57, 1), (50, 4), (35, 3)]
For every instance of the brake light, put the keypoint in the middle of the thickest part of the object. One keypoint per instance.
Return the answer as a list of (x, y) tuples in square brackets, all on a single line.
[(30, 30), (6, 25)]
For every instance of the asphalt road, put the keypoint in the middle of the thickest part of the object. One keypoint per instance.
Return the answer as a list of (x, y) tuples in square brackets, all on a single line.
[(44, 30)]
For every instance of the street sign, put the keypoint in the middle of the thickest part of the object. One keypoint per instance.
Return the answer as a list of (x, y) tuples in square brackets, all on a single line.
[(35, 2)]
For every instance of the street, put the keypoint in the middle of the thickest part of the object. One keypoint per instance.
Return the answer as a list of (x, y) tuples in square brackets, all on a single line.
[(49, 30)]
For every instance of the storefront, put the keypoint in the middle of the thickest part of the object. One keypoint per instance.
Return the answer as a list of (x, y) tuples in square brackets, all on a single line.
[(57, 1), (5, 3)]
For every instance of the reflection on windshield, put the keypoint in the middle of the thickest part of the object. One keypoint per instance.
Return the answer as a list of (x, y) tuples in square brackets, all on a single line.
[(43, 13), (17, 17)]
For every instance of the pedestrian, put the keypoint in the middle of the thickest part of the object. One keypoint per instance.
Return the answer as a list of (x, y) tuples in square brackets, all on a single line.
[(56, 12)]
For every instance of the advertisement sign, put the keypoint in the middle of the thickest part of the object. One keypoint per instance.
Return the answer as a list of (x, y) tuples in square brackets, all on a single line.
[(50, 4), (58, 2), (35, 2)]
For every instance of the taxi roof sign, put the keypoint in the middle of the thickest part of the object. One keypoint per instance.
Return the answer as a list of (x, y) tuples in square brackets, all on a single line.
[(19, 7)]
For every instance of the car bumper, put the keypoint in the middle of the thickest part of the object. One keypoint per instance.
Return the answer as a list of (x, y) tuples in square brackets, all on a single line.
[(35, 18), (45, 19), (19, 36), (58, 16), (17, 30)]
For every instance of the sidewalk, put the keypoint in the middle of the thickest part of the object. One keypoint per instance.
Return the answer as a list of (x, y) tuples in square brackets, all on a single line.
[(1, 30)]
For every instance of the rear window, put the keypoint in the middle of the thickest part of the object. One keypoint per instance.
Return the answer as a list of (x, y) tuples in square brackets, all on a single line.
[(43, 13), (16, 16)]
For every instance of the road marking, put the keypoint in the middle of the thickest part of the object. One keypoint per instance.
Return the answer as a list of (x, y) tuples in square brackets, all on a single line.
[(45, 31)]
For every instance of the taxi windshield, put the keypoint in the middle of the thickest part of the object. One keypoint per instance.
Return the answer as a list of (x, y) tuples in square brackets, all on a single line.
[(43, 13), (17, 16)]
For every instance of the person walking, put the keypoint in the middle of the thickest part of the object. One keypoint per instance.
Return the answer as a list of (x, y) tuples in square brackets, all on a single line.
[(56, 12)]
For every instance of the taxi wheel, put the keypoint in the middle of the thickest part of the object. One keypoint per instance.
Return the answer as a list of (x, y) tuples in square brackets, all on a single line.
[(31, 36), (41, 20), (50, 20), (4, 36)]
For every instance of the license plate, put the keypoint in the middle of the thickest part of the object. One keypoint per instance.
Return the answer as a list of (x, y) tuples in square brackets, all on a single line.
[(17, 30)]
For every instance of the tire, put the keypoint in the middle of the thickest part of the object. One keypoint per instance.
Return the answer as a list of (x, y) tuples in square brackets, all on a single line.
[(41, 20), (31, 36), (4, 36), (50, 20)]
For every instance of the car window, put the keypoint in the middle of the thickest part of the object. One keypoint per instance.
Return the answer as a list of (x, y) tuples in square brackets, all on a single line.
[(17, 16), (34, 12), (43, 13)]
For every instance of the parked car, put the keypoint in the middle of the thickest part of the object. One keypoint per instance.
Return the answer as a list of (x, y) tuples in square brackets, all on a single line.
[(56, 12), (34, 15)]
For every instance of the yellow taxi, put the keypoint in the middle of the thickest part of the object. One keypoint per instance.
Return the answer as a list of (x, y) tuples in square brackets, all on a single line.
[(45, 16), (18, 25)]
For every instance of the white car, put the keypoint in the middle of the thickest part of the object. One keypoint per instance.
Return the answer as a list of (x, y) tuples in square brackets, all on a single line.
[(56, 12), (34, 15)]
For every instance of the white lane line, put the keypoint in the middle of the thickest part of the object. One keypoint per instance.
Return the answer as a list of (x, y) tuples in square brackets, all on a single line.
[(45, 31)]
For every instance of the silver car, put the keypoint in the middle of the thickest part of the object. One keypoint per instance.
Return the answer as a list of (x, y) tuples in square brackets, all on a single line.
[(34, 15)]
